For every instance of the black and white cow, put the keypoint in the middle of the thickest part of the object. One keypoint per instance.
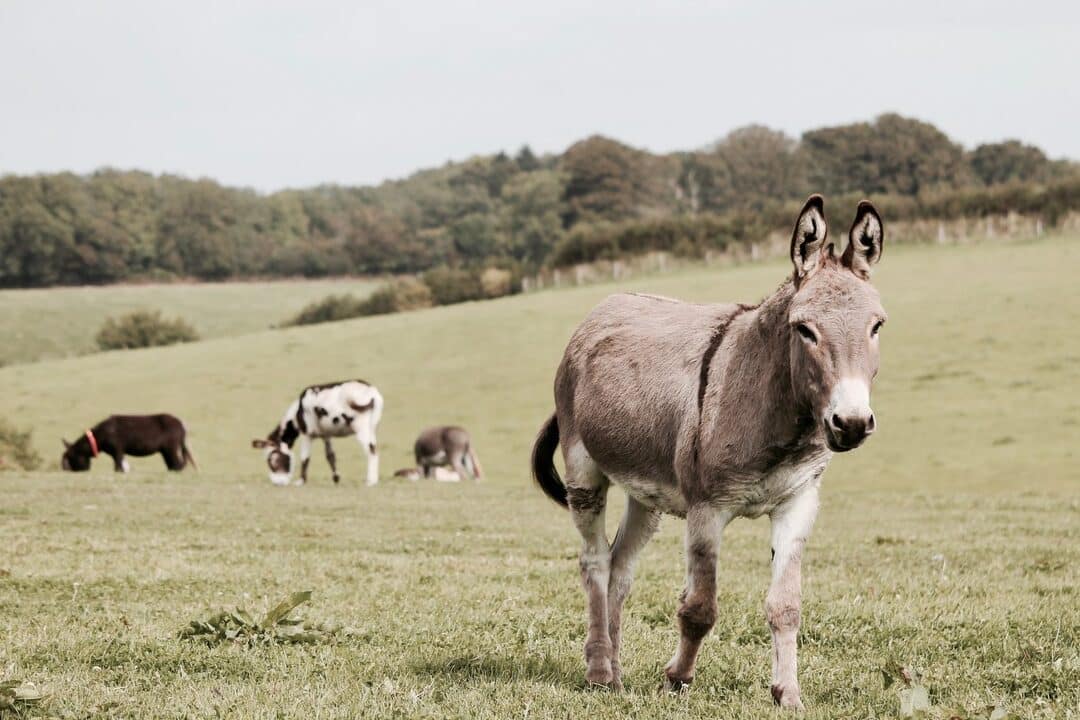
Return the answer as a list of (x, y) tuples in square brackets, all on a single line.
[(351, 407)]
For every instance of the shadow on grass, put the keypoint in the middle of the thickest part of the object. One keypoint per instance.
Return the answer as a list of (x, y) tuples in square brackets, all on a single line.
[(541, 669)]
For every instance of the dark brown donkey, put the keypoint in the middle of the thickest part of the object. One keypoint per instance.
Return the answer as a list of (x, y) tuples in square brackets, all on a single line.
[(712, 412), (136, 435)]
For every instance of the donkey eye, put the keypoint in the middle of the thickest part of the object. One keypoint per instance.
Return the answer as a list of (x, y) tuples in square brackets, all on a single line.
[(877, 328), (807, 334)]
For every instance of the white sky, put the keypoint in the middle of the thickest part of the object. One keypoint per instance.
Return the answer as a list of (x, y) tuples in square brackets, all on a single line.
[(272, 95)]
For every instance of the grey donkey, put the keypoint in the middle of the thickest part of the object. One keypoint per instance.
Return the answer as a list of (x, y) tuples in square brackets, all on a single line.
[(712, 412), (447, 445)]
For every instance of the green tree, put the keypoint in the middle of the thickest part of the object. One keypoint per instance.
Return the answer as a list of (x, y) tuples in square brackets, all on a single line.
[(893, 154), (605, 180), (1009, 161)]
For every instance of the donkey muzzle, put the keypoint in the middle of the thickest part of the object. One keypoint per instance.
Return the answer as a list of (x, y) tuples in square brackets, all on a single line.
[(847, 432)]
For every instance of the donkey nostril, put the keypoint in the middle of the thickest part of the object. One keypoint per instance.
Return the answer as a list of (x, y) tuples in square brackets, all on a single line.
[(871, 424), (837, 422)]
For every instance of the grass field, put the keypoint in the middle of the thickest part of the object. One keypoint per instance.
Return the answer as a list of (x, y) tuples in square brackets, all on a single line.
[(62, 322), (950, 542)]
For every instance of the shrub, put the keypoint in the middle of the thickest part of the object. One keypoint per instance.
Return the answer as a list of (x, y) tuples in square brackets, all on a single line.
[(16, 451), (329, 309), (143, 328), (397, 296), (453, 285), (496, 282)]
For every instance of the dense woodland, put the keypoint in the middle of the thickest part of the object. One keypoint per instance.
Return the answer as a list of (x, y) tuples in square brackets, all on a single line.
[(517, 212)]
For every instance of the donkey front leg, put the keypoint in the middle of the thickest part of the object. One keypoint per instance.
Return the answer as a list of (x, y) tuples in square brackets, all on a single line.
[(791, 525), (331, 458), (120, 463), (305, 457), (697, 613), (639, 524), (586, 492)]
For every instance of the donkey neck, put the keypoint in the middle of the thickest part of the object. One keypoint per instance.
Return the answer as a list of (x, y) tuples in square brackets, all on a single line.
[(758, 408)]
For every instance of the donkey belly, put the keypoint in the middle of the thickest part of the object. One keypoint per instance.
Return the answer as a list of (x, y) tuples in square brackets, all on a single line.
[(662, 496)]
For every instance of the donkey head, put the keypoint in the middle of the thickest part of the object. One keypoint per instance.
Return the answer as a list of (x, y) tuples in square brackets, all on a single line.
[(75, 458), (835, 318), (278, 456)]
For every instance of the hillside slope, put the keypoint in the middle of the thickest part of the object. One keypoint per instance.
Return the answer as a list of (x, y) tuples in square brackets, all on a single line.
[(977, 387), (63, 322)]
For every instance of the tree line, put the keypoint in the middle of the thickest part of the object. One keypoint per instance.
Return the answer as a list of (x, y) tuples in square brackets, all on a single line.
[(516, 212)]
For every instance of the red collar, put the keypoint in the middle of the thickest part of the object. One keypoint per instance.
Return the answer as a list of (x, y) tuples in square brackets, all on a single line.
[(93, 443)]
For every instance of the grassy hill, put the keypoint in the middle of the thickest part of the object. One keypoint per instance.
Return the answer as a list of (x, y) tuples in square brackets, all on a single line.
[(62, 322), (948, 542), (976, 356)]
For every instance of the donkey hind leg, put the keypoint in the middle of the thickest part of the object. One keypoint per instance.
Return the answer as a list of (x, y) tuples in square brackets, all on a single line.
[(365, 435), (174, 458), (697, 612), (331, 458), (791, 525), (638, 525), (586, 491), (460, 464)]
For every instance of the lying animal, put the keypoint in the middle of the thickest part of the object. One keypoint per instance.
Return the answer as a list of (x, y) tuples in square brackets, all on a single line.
[(138, 435), (441, 474)]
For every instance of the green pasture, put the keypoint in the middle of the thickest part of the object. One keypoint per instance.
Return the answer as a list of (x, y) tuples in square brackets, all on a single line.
[(949, 543), (62, 322)]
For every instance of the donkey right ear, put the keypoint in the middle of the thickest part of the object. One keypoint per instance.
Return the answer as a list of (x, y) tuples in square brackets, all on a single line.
[(67, 445), (808, 238), (259, 443)]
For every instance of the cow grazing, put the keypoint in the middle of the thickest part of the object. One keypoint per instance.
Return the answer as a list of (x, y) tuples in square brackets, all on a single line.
[(447, 445), (712, 412), (138, 435), (352, 407)]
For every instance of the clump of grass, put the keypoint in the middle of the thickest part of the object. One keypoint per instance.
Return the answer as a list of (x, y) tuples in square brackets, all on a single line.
[(16, 695), (17, 449), (276, 627)]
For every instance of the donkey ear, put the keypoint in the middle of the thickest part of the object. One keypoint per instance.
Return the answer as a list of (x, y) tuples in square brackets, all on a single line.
[(809, 235), (259, 443), (67, 445), (865, 241)]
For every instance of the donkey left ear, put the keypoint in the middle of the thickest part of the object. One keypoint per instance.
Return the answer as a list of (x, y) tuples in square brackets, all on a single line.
[(67, 445), (865, 241)]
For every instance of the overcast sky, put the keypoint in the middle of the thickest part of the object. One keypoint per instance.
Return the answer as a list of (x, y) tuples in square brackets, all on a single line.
[(273, 95)]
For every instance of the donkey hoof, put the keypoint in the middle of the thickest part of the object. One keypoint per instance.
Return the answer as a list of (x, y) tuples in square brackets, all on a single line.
[(337, 479), (675, 686), (786, 697), (601, 674)]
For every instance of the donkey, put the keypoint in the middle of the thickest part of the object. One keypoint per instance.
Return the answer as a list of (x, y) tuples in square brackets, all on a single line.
[(444, 445), (137, 435), (712, 412), (351, 407)]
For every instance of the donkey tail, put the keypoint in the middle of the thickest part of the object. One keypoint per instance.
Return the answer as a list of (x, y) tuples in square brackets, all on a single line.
[(188, 457), (543, 462)]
